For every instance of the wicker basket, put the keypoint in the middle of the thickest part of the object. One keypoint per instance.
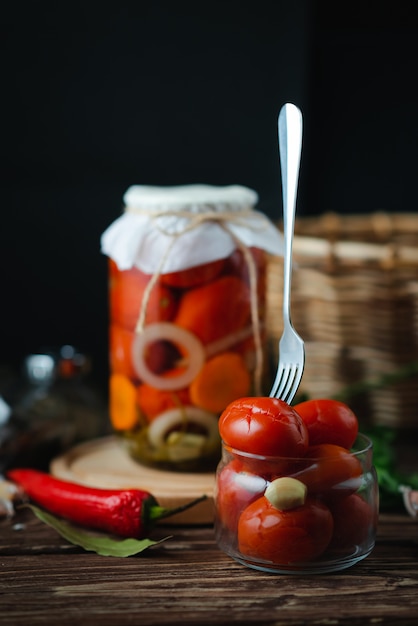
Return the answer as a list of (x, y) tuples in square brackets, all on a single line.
[(355, 303)]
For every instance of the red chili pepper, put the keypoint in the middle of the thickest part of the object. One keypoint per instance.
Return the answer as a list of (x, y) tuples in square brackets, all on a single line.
[(123, 512)]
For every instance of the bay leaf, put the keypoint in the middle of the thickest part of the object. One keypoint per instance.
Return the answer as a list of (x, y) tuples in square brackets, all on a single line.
[(103, 545)]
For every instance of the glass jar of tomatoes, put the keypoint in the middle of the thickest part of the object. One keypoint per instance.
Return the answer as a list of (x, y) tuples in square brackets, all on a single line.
[(187, 289), (313, 514)]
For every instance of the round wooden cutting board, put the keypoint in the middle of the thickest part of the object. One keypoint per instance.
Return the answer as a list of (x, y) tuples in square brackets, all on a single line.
[(106, 464)]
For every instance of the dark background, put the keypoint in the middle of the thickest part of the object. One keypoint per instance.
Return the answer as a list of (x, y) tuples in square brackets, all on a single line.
[(100, 96)]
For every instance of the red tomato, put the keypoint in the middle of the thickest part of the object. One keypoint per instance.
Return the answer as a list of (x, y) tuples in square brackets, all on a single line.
[(355, 522), (152, 402), (126, 295), (329, 421), (193, 276), (161, 355), (330, 471), (284, 537), (264, 426), (237, 264), (216, 309), (236, 488)]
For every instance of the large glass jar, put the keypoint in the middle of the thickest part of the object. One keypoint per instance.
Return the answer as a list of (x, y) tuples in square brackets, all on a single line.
[(187, 289), (297, 515)]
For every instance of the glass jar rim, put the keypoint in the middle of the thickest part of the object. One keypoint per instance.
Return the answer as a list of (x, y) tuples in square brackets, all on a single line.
[(362, 445)]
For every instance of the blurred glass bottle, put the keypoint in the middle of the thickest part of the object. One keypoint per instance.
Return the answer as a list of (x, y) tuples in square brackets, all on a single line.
[(53, 407)]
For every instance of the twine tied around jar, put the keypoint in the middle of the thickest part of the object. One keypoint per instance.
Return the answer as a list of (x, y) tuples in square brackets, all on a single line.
[(222, 219)]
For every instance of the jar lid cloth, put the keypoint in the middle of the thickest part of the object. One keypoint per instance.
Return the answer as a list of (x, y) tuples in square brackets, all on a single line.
[(194, 221)]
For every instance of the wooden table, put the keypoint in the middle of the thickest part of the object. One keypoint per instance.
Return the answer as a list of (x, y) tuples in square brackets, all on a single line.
[(187, 580)]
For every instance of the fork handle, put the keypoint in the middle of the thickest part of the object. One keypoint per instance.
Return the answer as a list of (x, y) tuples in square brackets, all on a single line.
[(290, 147)]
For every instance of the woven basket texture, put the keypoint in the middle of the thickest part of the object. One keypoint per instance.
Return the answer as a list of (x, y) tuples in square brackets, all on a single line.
[(355, 303)]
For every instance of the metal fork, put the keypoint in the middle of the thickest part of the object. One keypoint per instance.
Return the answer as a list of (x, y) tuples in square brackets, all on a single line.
[(291, 346)]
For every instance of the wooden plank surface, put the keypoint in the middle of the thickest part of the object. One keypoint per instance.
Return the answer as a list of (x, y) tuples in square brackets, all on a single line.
[(104, 463), (187, 580)]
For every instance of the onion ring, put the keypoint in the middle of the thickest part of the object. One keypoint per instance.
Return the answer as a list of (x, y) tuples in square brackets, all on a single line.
[(179, 336), (162, 425)]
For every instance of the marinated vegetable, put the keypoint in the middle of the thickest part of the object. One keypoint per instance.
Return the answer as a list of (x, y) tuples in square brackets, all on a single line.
[(179, 354), (285, 504), (330, 471), (264, 426), (284, 536), (329, 421), (187, 285), (236, 488)]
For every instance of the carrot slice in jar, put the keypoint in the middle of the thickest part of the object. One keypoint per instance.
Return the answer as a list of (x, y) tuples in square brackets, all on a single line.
[(123, 409), (120, 345), (221, 380)]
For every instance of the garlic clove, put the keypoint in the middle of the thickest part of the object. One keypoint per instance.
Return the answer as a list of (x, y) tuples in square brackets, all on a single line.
[(286, 493), (185, 446)]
